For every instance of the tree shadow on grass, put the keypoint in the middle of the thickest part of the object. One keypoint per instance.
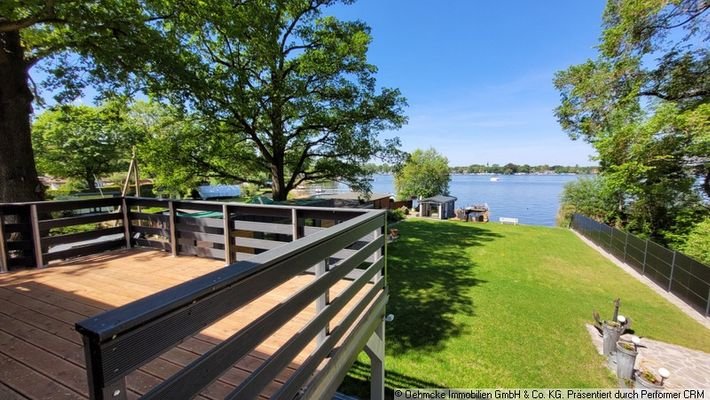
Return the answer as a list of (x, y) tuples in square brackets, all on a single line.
[(429, 274), (429, 277), (357, 382)]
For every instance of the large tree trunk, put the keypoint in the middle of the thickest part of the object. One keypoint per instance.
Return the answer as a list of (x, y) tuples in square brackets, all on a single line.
[(279, 191), (18, 174)]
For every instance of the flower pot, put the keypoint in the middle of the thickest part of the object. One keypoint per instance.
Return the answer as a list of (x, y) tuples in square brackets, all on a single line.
[(611, 333), (625, 359), (646, 380)]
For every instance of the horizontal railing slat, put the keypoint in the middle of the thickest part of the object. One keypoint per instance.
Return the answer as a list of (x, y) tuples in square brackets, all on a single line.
[(85, 250), (259, 243), (66, 205), (153, 244), (201, 251), (155, 218), (80, 236), (181, 222), (266, 227), (79, 220), (147, 230), (207, 237)]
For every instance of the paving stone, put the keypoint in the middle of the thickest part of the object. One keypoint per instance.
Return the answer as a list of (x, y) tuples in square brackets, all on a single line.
[(690, 369)]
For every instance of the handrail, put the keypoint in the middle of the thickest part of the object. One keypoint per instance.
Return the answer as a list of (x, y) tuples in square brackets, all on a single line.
[(121, 340), (139, 228)]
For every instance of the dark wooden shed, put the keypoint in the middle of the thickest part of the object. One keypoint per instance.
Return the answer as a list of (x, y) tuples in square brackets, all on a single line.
[(441, 207)]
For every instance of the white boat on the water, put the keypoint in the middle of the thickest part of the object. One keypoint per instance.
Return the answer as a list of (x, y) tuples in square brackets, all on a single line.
[(494, 179)]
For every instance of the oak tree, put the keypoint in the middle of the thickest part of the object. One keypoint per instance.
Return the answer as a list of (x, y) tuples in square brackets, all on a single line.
[(288, 87), (76, 43)]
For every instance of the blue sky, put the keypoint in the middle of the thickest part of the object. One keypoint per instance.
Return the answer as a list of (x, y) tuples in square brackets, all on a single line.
[(478, 74)]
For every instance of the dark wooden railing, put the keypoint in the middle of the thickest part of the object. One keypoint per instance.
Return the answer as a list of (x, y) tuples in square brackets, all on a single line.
[(264, 246), (35, 234)]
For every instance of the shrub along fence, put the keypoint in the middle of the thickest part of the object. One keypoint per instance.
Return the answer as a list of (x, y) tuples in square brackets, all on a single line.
[(675, 272)]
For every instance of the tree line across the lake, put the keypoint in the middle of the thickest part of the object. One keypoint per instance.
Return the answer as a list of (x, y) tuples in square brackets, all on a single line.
[(506, 169)]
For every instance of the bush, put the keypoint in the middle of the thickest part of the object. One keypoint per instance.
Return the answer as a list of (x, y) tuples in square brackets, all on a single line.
[(697, 244), (395, 215)]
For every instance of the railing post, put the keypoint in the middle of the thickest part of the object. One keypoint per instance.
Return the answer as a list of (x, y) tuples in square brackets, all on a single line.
[(670, 280), (379, 252), (323, 300), (645, 254), (98, 389), (126, 222), (3, 250), (294, 224), (375, 350), (36, 236), (226, 224), (173, 229), (626, 244)]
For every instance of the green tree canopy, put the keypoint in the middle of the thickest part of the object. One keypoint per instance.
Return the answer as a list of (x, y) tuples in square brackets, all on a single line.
[(425, 173), (77, 43), (82, 142), (643, 105), (177, 153), (288, 87)]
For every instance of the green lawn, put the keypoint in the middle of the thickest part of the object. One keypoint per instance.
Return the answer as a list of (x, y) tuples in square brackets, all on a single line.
[(490, 305)]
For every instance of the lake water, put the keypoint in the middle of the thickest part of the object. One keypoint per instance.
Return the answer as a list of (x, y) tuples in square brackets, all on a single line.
[(533, 199)]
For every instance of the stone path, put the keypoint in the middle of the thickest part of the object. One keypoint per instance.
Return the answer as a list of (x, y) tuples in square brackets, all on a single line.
[(690, 369)]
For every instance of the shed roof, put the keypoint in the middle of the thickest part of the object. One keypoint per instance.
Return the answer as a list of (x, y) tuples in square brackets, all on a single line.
[(439, 199)]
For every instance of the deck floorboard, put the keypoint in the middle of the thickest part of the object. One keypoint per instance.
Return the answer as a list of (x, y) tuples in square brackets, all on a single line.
[(41, 354)]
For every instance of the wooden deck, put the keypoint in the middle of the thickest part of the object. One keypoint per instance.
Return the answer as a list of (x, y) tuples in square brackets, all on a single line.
[(41, 355)]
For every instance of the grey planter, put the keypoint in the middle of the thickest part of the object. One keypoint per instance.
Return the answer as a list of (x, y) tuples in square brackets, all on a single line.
[(611, 335), (625, 360), (642, 383)]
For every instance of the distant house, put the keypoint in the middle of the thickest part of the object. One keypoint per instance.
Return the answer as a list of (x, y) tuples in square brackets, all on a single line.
[(441, 207)]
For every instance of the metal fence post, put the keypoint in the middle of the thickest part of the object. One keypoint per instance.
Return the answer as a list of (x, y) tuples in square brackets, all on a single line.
[(670, 280), (626, 244), (611, 240), (645, 254)]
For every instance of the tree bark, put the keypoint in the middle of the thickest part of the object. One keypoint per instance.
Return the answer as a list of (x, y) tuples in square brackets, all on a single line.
[(18, 173), (90, 180), (279, 191)]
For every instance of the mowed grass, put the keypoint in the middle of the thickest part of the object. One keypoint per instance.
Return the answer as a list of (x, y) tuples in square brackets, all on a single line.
[(490, 305)]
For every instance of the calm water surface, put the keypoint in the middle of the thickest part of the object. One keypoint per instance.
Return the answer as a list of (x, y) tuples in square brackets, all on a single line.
[(533, 199)]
